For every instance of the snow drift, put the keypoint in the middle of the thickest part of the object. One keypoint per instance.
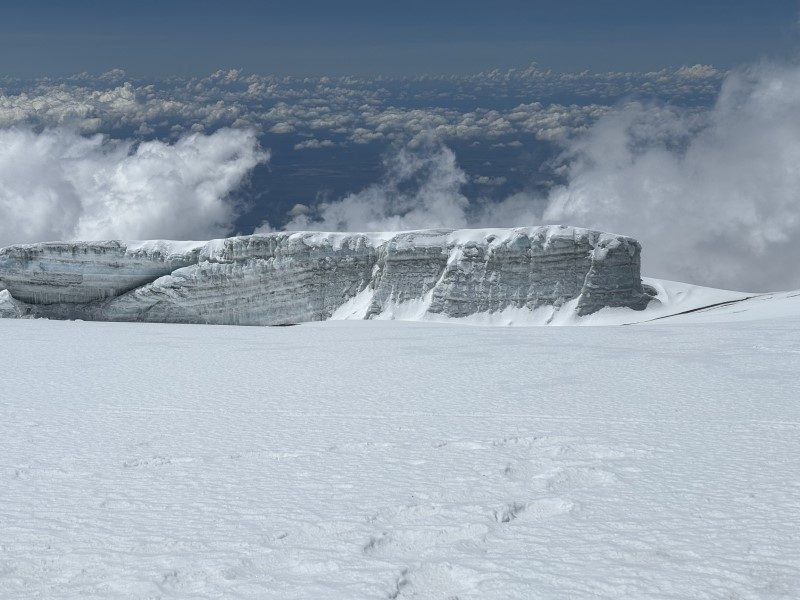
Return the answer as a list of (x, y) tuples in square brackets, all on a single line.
[(280, 278)]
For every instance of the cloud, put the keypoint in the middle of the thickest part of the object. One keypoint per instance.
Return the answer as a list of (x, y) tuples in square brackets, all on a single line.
[(486, 180), (698, 72), (313, 144), (714, 199), (421, 189), (59, 185), (282, 128)]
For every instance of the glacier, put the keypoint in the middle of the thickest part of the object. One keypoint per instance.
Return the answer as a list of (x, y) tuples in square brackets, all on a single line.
[(292, 277)]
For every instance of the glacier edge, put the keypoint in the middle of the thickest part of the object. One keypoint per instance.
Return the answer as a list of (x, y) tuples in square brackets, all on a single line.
[(292, 277)]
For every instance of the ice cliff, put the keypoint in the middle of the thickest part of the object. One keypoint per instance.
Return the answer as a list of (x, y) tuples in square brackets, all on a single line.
[(281, 278)]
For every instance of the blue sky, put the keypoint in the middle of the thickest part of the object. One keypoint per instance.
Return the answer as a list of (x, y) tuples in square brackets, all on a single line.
[(149, 38)]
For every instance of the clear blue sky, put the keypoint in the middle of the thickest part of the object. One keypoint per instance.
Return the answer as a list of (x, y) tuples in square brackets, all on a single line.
[(148, 37)]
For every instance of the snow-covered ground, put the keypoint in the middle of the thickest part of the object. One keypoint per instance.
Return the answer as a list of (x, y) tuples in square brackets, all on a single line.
[(400, 460)]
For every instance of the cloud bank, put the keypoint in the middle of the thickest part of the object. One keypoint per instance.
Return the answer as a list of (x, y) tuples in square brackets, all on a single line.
[(59, 185), (713, 196), (346, 111), (714, 201)]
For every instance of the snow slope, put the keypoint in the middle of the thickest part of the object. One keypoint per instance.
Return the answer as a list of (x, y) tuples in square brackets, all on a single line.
[(357, 459), (753, 308), (674, 298)]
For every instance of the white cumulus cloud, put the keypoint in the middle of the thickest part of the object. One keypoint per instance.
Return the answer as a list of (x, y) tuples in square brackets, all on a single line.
[(59, 185)]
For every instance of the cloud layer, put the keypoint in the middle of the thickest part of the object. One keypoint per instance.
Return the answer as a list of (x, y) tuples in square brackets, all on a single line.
[(345, 110), (59, 185)]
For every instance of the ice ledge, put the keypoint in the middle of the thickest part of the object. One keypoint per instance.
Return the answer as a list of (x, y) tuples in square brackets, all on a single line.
[(306, 276)]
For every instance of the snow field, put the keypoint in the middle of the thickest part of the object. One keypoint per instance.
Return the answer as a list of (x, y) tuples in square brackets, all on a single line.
[(400, 460)]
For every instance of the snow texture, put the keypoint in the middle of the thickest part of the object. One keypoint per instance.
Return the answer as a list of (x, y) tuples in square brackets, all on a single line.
[(282, 278), (396, 460)]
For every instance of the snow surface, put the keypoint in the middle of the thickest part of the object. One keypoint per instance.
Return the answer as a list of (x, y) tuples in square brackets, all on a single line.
[(755, 307), (399, 460), (672, 298)]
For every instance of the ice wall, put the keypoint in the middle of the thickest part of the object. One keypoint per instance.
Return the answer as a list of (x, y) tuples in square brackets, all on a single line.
[(77, 272), (283, 278)]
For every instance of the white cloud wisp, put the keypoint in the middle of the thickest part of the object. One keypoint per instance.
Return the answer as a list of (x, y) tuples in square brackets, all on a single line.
[(421, 190)]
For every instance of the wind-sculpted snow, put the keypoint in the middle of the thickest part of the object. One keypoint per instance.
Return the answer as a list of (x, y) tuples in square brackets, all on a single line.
[(280, 278), (414, 461)]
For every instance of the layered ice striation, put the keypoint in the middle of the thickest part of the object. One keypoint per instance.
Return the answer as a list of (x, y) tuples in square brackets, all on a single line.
[(281, 278), (80, 272)]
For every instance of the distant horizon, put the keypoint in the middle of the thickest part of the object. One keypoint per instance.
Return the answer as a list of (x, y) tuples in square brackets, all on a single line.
[(521, 68), (354, 37)]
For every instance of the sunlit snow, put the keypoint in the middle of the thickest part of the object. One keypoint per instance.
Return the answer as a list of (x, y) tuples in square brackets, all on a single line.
[(404, 460)]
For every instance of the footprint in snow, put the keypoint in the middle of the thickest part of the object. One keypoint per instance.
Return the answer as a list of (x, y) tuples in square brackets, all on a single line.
[(509, 512), (376, 542), (541, 508)]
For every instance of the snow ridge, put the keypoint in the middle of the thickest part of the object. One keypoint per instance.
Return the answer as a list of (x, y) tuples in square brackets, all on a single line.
[(279, 278)]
